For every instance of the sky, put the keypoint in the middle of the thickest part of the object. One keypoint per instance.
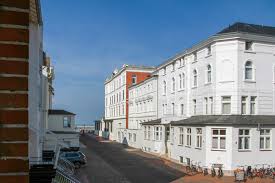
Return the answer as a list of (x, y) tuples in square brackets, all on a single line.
[(88, 39)]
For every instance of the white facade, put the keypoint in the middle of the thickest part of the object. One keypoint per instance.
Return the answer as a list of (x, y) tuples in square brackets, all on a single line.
[(116, 96), (231, 76), (63, 128), (143, 102)]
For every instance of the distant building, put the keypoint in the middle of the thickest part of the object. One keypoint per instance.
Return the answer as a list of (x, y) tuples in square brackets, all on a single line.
[(62, 124), (116, 98)]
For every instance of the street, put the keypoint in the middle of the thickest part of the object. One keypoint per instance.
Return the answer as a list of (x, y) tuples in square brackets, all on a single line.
[(111, 162)]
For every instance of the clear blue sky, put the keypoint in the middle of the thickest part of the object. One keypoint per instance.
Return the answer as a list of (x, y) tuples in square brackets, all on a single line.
[(87, 39)]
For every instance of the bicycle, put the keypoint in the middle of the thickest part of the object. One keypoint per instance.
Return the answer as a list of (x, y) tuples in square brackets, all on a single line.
[(213, 171), (220, 172), (205, 170)]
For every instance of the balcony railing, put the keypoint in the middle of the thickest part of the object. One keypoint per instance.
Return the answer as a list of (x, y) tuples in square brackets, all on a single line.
[(62, 177)]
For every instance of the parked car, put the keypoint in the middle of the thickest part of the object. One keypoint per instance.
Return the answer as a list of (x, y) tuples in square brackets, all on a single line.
[(77, 158)]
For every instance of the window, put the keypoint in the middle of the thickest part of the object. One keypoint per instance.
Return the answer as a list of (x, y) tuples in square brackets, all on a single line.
[(195, 57), (188, 137), (209, 50), (248, 71), (130, 137), (164, 87), (134, 137), (244, 139), (208, 72), (173, 108), (145, 132), (248, 45), (194, 107), (181, 159), (168, 133), (265, 139), (158, 133), (173, 67), (172, 134), (182, 109), (149, 133), (218, 139), (134, 79), (173, 85), (253, 105), (195, 78), (164, 70), (66, 122), (199, 138), (206, 105), (181, 136), (180, 81), (211, 104), (226, 105), (243, 105), (183, 80)]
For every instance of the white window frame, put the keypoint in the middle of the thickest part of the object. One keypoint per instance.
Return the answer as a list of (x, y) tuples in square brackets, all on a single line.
[(265, 136), (253, 103), (244, 105), (173, 88), (195, 78), (164, 88), (241, 139), (226, 102), (194, 106), (206, 105), (208, 74), (181, 136), (198, 138), (188, 137), (218, 136), (251, 68), (158, 133)]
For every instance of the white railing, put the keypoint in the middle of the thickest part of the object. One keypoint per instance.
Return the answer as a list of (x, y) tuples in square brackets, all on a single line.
[(62, 177), (65, 166)]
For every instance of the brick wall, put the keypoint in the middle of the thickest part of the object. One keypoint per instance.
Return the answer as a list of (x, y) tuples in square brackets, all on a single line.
[(14, 52), (141, 76)]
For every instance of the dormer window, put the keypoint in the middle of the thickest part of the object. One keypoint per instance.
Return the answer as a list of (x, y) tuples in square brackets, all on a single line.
[(134, 79), (248, 45)]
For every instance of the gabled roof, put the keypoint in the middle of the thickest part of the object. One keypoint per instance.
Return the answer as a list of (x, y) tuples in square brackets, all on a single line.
[(210, 120), (59, 112), (249, 28)]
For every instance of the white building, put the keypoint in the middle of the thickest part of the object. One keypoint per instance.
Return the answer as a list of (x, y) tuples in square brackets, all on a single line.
[(216, 101), (62, 125), (116, 99), (215, 94)]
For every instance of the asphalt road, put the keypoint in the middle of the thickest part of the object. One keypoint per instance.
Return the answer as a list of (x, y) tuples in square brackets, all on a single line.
[(111, 162)]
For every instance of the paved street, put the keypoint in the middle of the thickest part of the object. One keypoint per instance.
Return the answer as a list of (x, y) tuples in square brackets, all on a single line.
[(110, 162)]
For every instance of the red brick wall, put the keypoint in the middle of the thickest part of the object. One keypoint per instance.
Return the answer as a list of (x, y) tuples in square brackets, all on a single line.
[(141, 76), (14, 53)]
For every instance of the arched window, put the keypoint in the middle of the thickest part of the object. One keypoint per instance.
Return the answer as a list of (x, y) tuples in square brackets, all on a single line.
[(180, 81), (248, 70), (173, 85), (183, 80), (209, 79), (195, 78), (164, 87)]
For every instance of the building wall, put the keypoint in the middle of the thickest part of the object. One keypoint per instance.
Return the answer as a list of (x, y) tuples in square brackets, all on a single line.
[(56, 123), (14, 57), (143, 103)]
